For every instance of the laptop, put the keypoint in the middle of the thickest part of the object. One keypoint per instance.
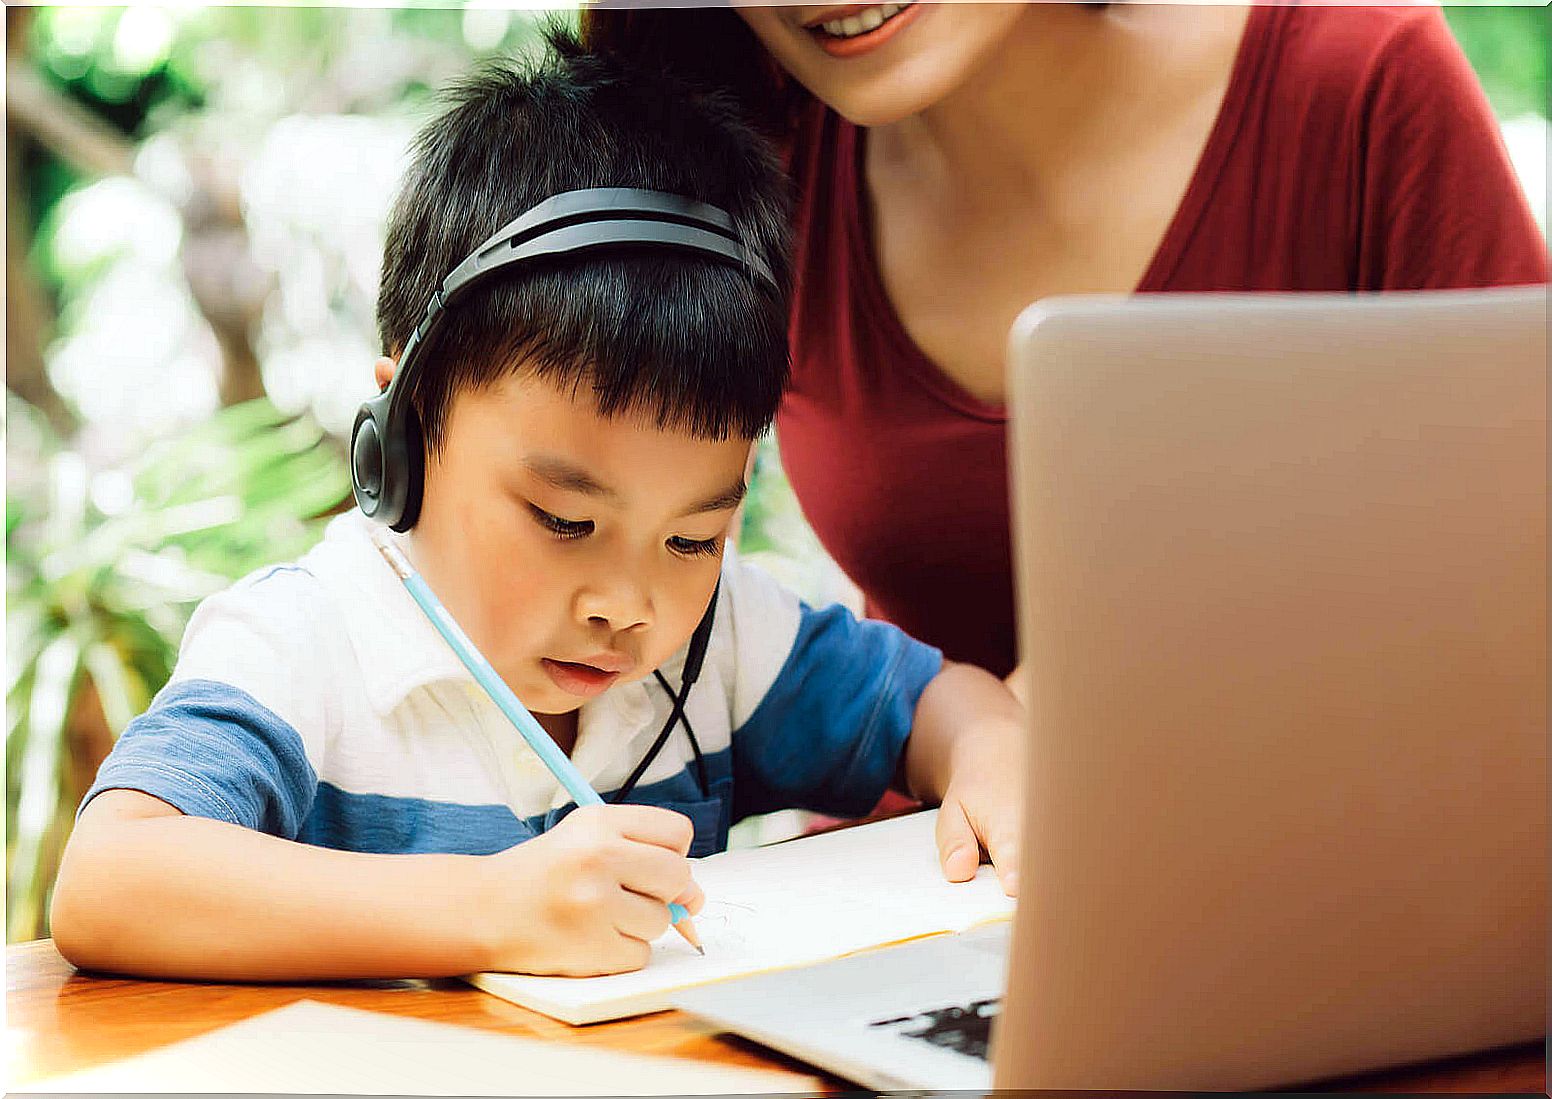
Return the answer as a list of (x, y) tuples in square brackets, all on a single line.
[(1282, 591)]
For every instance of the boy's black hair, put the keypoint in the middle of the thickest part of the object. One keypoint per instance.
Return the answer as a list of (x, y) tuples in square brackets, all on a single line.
[(694, 343)]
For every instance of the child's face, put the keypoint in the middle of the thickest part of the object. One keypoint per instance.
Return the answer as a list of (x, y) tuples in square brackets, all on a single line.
[(576, 551)]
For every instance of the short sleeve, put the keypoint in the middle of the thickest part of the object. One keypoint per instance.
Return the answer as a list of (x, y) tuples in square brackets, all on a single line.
[(823, 701), (1441, 206), (239, 731)]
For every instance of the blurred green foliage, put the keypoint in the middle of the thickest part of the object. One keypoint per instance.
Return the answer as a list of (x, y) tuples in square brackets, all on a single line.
[(140, 68), (103, 569), (1511, 51)]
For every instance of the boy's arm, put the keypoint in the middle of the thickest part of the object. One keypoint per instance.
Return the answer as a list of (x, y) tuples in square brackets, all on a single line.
[(966, 752), (829, 709), (147, 891)]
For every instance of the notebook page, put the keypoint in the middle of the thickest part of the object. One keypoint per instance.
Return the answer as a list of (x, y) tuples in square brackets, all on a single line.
[(890, 868), (792, 904)]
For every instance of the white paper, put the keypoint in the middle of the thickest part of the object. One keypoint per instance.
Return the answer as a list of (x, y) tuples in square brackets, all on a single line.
[(317, 1048), (794, 903)]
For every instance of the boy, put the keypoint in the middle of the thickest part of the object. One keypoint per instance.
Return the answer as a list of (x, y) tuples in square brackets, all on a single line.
[(322, 791)]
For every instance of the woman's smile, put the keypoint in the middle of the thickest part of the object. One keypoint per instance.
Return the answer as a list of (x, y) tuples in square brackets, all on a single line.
[(850, 32)]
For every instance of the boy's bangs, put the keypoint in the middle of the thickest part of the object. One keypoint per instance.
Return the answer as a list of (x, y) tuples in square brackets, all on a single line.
[(695, 347)]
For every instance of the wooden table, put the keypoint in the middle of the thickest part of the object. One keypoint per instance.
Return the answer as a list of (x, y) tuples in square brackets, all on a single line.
[(59, 1020)]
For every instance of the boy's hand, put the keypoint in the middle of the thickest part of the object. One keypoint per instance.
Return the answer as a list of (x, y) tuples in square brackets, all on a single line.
[(966, 753), (983, 809), (588, 897)]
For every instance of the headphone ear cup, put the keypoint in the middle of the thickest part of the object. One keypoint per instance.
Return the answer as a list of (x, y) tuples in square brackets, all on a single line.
[(413, 456), (369, 472)]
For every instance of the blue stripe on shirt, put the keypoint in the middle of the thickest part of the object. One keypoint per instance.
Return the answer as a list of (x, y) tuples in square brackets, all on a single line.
[(382, 824), (406, 825), (829, 733), (211, 750)]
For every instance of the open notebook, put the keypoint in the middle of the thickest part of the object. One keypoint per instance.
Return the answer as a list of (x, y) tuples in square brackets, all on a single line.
[(791, 904)]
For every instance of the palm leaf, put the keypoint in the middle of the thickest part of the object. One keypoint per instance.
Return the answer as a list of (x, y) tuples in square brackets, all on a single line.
[(41, 756), (101, 600)]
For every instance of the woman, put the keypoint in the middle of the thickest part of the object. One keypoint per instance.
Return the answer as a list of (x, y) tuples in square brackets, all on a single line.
[(955, 162)]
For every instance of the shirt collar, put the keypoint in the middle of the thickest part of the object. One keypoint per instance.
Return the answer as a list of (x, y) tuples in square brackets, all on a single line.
[(399, 651)]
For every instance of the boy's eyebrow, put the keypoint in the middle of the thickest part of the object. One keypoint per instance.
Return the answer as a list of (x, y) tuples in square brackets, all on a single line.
[(562, 474), (729, 497)]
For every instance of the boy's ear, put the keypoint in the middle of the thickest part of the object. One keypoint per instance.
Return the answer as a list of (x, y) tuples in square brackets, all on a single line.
[(383, 370)]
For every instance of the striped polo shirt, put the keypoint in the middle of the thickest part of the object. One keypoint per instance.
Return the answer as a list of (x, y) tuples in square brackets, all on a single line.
[(315, 702)]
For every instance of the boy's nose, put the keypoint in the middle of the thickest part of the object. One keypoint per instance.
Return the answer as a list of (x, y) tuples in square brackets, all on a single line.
[(619, 604)]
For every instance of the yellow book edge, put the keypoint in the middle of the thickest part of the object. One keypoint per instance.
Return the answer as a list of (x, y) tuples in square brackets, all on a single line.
[(655, 1000)]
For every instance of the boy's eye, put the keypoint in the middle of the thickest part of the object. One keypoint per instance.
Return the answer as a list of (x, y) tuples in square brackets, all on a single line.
[(690, 547), (561, 528)]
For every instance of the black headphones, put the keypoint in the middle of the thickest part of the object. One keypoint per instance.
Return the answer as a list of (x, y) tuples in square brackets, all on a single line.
[(387, 453), (387, 450)]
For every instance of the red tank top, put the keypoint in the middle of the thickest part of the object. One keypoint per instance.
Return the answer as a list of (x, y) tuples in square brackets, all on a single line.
[(1354, 151)]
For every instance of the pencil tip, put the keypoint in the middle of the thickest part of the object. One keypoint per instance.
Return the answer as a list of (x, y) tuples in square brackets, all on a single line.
[(701, 950)]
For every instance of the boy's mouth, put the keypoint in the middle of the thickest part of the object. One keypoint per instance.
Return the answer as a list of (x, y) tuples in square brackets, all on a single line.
[(585, 680)]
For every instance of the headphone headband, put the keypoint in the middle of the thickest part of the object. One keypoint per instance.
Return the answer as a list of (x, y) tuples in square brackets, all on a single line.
[(610, 203), (574, 234), (386, 449)]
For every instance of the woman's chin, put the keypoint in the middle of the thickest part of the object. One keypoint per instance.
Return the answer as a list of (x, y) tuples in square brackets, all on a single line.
[(936, 50), (912, 86), (888, 98), (871, 107)]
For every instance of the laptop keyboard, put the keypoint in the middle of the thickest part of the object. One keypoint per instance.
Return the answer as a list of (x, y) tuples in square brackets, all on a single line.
[(963, 1028)]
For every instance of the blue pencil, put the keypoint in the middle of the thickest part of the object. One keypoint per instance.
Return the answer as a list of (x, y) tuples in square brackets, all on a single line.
[(560, 766)]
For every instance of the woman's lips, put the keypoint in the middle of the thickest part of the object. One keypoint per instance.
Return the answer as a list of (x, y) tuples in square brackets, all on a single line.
[(869, 41), (582, 680)]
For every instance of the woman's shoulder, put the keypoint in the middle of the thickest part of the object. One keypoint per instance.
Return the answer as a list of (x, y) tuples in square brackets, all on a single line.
[(1347, 54), (1381, 106), (1355, 86)]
